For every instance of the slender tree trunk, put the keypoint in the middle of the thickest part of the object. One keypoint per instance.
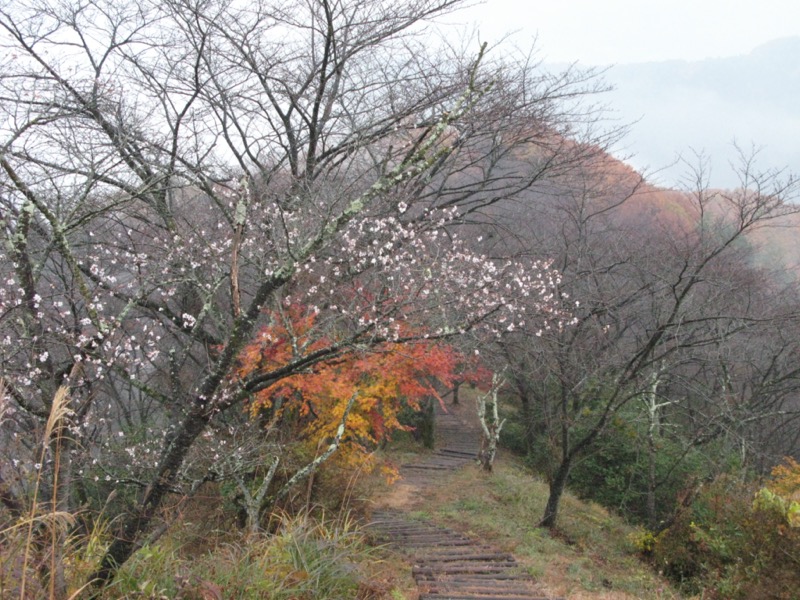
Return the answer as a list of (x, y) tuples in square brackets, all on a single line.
[(253, 503), (427, 424), (58, 580), (125, 544), (534, 432), (531, 431), (653, 429), (491, 425), (558, 480), (651, 483), (187, 431), (253, 518), (557, 486)]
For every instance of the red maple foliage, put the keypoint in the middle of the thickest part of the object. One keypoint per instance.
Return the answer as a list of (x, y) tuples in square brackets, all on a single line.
[(386, 379)]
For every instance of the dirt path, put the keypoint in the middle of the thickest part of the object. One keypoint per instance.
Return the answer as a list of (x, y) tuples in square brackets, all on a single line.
[(447, 564)]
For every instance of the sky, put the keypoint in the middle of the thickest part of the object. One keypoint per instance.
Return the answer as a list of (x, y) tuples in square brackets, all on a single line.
[(669, 121), (600, 32)]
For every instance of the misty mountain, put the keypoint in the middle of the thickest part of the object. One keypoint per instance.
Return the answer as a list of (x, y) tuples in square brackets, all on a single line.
[(681, 107)]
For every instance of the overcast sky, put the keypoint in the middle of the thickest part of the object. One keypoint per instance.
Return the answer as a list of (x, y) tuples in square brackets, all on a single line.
[(670, 118), (599, 32)]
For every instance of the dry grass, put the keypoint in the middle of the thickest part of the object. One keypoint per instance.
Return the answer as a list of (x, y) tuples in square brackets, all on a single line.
[(305, 557)]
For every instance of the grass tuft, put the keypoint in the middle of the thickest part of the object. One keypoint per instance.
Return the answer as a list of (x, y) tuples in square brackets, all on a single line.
[(305, 559)]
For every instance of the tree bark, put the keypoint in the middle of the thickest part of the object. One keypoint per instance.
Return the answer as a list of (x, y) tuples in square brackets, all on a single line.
[(557, 487), (651, 483), (490, 426), (125, 544)]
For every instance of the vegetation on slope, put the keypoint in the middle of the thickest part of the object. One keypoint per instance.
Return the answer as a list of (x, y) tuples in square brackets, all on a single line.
[(591, 554), (722, 531)]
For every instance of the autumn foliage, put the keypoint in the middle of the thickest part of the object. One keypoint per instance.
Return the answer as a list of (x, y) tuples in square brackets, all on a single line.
[(737, 540), (385, 379), (786, 479)]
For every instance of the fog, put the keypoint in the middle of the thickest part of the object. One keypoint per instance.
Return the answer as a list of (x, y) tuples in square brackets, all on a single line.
[(680, 109)]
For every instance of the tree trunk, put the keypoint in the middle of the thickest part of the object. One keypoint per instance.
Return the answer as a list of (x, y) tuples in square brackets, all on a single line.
[(187, 431), (125, 544), (557, 486), (487, 453), (427, 424), (527, 422), (653, 429), (651, 484), (491, 425), (532, 430)]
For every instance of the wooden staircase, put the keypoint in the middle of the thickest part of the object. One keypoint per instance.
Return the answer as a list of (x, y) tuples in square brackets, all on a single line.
[(448, 565)]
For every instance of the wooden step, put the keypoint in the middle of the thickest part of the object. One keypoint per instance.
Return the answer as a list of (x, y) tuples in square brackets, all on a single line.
[(448, 565)]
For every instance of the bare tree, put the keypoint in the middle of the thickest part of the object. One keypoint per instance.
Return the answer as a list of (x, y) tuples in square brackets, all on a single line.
[(658, 284)]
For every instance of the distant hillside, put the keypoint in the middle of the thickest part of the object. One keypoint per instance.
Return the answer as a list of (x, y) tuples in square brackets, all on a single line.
[(777, 245), (706, 105)]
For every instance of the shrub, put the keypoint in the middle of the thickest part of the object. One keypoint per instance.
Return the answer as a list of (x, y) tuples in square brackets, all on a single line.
[(305, 559), (731, 545), (615, 474)]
